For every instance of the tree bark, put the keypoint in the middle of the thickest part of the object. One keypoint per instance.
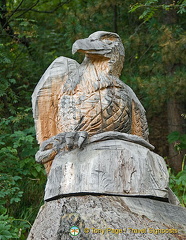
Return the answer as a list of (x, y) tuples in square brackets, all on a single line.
[(175, 123)]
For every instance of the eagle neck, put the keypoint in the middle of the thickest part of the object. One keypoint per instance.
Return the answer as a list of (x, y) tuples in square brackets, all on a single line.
[(95, 75)]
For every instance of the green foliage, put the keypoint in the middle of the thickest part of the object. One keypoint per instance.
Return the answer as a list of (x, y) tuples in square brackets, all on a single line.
[(10, 192), (22, 180), (10, 195), (178, 139), (178, 184), (7, 231), (155, 64), (11, 228), (152, 7)]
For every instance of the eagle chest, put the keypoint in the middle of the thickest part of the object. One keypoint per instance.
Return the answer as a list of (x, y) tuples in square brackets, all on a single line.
[(107, 109)]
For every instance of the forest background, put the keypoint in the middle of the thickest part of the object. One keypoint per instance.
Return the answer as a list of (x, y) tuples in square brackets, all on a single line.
[(34, 33)]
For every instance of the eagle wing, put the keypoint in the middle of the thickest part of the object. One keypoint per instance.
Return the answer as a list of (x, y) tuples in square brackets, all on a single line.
[(62, 75), (139, 121)]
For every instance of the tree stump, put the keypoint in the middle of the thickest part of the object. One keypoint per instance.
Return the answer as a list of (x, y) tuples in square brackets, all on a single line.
[(109, 217), (94, 200)]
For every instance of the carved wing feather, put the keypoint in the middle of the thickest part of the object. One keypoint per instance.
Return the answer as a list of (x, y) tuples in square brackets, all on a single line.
[(139, 121), (62, 75)]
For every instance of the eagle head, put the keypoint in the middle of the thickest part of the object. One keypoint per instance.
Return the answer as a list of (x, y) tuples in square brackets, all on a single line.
[(103, 46)]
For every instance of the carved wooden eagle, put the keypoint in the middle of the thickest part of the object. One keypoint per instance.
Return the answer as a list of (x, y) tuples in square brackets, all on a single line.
[(72, 97)]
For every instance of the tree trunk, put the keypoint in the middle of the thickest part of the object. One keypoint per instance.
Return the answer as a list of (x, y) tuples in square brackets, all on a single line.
[(175, 123), (174, 108)]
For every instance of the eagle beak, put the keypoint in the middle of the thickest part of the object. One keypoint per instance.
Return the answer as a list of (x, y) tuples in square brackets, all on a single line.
[(90, 46)]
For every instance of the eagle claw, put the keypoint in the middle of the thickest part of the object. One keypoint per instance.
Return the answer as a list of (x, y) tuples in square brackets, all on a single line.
[(61, 142)]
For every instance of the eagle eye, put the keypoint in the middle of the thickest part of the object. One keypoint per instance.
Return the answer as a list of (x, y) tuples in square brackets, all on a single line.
[(109, 38), (107, 41)]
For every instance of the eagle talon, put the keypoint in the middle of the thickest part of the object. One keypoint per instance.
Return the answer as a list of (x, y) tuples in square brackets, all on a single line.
[(69, 138), (46, 155), (75, 139), (82, 138), (61, 142)]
